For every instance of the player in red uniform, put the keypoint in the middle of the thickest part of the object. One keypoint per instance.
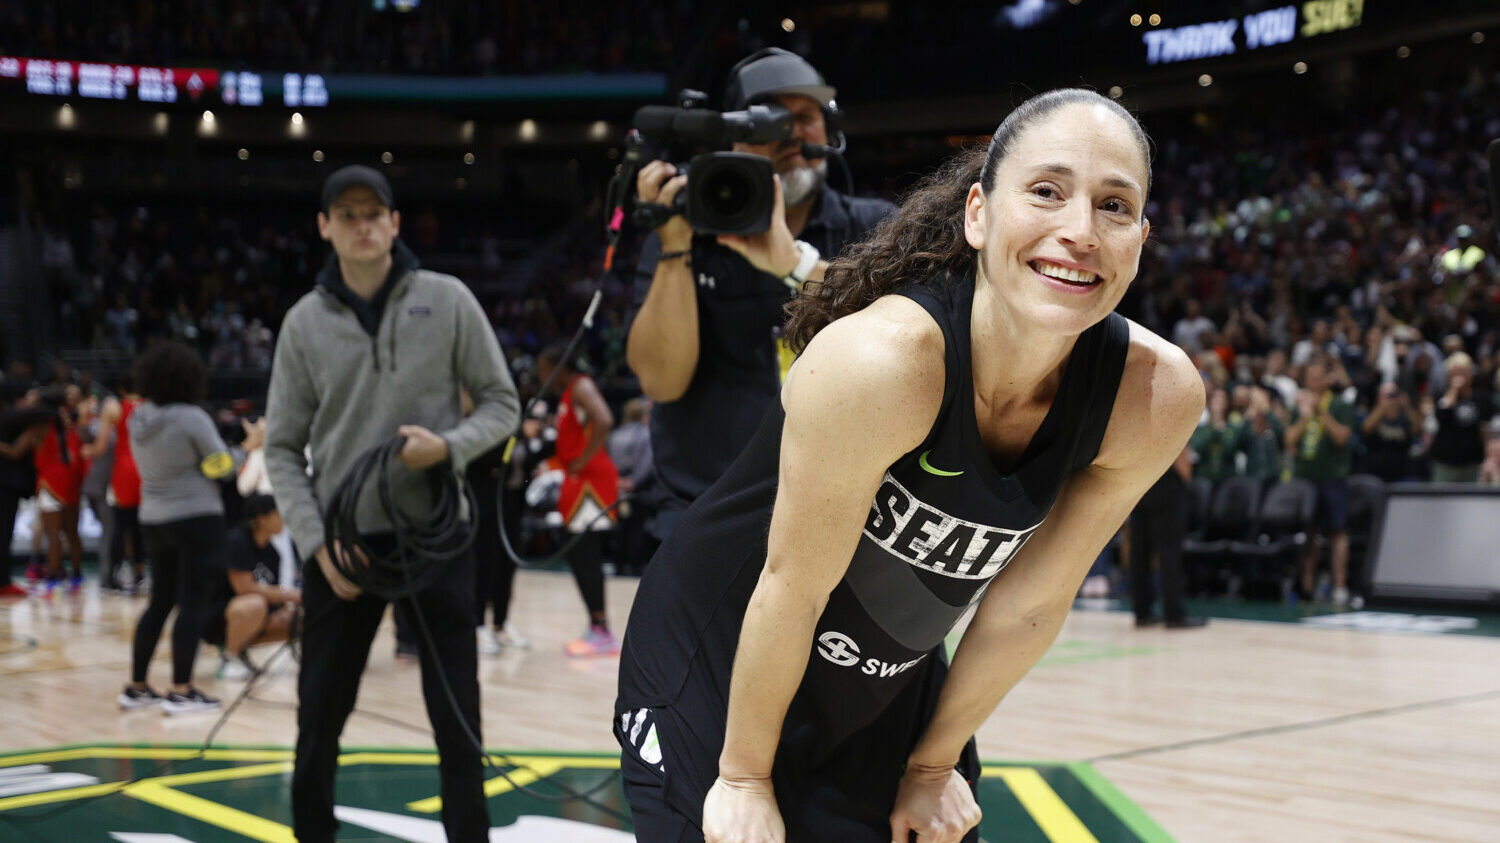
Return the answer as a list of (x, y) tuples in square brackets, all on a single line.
[(60, 468), (590, 488)]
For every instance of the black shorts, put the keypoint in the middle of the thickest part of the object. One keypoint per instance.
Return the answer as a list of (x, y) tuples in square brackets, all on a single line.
[(670, 757)]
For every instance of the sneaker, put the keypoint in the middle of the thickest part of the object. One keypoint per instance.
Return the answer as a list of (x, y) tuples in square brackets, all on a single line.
[(234, 667), (193, 700), (1341, 596), (75, 583), (10, 589), (46, 589), (488, 644), (33, 570), (512, 640), (598, 641), (133, 697)]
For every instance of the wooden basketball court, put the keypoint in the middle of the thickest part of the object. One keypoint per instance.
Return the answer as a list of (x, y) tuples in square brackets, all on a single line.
[(1359, 727)]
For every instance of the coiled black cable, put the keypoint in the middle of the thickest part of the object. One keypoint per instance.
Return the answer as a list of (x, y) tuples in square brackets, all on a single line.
[(421, 549)]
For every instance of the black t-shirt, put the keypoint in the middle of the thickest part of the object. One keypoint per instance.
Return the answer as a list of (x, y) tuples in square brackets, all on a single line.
[(741, 311), (944, 522), (242, 555), (17, 475), (1460, 438)]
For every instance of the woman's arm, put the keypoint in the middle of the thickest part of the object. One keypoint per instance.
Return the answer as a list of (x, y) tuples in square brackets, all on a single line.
[(1159, 401), (865, 392), (109, 416)]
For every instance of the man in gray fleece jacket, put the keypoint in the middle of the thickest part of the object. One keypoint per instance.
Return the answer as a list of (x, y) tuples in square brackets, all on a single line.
[(380, 348)]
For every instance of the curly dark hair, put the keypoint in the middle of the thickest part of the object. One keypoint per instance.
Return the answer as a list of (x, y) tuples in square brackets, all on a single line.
[(170, 373), (924, 240)]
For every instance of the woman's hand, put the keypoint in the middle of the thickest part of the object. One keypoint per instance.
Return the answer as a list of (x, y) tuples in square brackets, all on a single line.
[(742, 811), (936, 803)]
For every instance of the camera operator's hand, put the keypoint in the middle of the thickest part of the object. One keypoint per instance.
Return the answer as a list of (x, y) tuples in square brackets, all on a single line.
[(773, 251), (659, 183)]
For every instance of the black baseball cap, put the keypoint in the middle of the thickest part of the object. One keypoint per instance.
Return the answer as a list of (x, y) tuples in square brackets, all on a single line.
[(773, 72), (357, 175)]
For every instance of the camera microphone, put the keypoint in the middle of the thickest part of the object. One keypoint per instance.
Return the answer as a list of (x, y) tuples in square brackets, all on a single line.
[(814, 151)]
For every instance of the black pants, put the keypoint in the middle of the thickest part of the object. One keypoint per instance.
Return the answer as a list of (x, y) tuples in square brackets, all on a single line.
[(588, 568), (1156, 528), (10, 503), (125, 524), (494, 569), (334, 651), (187, 564)]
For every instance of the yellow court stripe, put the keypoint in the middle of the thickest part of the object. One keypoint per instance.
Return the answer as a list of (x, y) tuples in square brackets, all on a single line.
[(151, 753), (1046, 808), (219, 775), (416, 759), (494, 786), (223, 816), (223, 774), (48, 797)]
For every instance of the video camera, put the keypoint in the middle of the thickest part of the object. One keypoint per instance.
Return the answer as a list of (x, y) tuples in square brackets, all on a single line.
[(727, 192)]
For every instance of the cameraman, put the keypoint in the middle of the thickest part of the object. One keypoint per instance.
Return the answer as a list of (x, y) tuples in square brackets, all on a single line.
[(705, 336)]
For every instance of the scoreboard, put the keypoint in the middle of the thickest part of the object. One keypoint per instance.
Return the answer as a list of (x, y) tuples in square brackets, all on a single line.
[(138, 83)]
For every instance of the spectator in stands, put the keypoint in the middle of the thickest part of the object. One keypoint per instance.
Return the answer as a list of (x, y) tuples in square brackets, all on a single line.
[(1458, 445), (1391, 429), (1190, 329), (1215, 442), (704, 338), (1318, 439), (250, 606), (1261, 438), (180, 456), (1277, 379), (1489, 470)]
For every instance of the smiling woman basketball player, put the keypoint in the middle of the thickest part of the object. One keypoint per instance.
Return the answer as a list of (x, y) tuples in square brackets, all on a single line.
[(968, 422)]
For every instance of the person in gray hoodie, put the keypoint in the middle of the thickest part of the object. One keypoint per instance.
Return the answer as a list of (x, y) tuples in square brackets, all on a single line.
[(181, 458), (380, 348)]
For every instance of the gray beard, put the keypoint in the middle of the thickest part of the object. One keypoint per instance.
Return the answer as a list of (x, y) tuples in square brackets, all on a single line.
[(800, 184)]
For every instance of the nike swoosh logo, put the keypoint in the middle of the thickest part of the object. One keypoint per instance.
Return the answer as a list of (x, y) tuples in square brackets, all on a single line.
[(927, 466)]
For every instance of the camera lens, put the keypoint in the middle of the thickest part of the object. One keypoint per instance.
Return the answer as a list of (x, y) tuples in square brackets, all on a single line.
[(726, 192), (730, 193)]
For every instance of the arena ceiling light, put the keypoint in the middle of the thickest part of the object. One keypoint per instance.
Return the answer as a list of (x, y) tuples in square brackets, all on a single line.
[(528, 130), (161, 122), (1205, 80), (788, 25), (65, 117), (386, 158), (244, 154), (598, 130), (468, 158), (318, 155), (207, 124), (466, 131)]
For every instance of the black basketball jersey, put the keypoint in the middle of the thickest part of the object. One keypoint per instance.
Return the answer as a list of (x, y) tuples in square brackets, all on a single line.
[(944, 522)]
